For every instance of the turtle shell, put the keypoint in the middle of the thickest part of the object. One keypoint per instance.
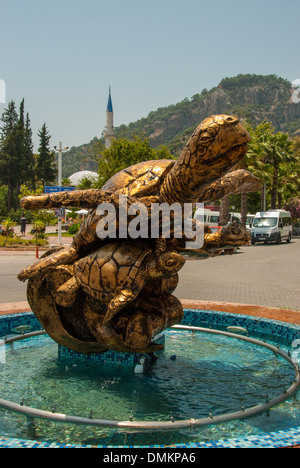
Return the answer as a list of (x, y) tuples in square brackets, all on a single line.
[(139, 180), (112, 268)]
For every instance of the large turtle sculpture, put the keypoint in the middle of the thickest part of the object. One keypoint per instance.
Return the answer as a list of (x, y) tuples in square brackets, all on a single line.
[(67, 287)]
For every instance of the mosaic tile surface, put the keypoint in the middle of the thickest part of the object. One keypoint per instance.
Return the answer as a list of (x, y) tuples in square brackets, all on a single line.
[(109, 357), (273, 440)]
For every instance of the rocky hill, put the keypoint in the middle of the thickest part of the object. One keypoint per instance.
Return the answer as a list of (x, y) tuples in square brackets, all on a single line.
[(254, 98)]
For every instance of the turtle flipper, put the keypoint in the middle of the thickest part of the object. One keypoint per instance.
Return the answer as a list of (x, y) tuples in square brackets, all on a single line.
[(77, 198), (62, 257), (65, 295), (232, 183), (119, 302)]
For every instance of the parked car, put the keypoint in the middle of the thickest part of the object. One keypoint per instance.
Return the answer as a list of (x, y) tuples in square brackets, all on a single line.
[(212, 218), (272, 226)]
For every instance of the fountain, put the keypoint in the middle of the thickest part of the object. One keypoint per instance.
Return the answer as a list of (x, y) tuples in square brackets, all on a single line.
[(107, 303), (47, 400)]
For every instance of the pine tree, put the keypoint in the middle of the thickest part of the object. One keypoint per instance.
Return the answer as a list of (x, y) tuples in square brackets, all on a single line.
[(28, 152), (21, 163), (9, 119), (46, 168), (8, 151)]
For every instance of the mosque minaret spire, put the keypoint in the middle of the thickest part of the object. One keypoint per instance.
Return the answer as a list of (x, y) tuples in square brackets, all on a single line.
[(109, 133)]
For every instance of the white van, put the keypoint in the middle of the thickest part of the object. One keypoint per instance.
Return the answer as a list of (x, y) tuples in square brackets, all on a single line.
[(272, 226), (211, 218), (249, 221)]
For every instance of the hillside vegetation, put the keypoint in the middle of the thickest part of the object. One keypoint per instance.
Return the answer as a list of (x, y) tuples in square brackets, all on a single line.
[(254, 98)]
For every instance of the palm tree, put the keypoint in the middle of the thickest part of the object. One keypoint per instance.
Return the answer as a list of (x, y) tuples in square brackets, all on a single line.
[(257, 159), (244, 207), (289, 180), (282, 157), (224, 216), (274, 159)]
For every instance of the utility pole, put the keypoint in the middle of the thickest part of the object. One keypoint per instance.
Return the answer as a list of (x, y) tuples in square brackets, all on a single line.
[(60, 152)]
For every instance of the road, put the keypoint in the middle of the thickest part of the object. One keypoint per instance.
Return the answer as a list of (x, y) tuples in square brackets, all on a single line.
[(267, 275)]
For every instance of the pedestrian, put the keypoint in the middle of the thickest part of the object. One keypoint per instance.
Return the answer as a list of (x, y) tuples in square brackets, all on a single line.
[(23, 221)]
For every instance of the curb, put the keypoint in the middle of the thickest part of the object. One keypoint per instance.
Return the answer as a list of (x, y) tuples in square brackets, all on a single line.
[(283, 315), (273, 313)]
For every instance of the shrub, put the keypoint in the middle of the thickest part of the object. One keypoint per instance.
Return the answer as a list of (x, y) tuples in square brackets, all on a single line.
[(74, 228)]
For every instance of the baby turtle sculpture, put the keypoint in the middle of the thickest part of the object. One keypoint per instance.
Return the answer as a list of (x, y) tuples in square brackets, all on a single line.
[(81, 293), (116, 273)]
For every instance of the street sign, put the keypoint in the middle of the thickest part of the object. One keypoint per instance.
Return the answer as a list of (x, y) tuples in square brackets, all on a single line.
[(51, 189), (60, 212)]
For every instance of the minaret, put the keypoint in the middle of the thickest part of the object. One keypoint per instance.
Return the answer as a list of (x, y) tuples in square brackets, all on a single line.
[(109, 133)]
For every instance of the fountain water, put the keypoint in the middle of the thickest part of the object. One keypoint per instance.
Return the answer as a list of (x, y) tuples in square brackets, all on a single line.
[(252, 376)]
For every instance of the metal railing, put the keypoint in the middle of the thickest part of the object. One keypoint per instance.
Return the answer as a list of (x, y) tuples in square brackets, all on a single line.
[(171, 424)]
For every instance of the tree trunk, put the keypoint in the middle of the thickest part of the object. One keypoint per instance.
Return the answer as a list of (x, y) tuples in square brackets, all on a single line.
[(18, 193), (263, 197), (274, 188), (244, 208), (224, 211), (9, 196)]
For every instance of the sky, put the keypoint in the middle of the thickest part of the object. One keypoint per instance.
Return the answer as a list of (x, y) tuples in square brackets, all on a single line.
[(61, 56)]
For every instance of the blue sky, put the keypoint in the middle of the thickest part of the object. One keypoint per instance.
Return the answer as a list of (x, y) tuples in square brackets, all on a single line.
[(62, 55)]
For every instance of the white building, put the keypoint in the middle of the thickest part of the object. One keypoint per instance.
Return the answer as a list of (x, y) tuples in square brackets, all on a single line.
[(78, 177)]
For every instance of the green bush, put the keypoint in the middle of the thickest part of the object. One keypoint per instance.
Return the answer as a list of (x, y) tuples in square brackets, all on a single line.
[(74, 228)]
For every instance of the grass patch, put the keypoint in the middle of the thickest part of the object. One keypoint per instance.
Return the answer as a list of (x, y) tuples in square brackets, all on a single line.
[(14, 241)]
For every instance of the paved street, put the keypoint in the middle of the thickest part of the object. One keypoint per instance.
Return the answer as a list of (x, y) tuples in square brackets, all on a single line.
[(267, 275)]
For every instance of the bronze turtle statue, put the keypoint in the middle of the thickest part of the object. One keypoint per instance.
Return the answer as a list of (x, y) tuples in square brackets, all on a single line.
[(116, 273), (202, 173)]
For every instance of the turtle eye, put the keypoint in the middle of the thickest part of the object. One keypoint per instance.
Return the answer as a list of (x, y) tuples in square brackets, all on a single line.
[(167, 260), (206, 139), (231, 120), (170, 262), (212, 131)]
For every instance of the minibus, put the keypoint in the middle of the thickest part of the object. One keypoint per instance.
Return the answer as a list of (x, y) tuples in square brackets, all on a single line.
[(272, 226)]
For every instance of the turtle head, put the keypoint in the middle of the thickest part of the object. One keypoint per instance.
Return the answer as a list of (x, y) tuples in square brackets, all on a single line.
[(234, 234), (166, 264), (217, 144)]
